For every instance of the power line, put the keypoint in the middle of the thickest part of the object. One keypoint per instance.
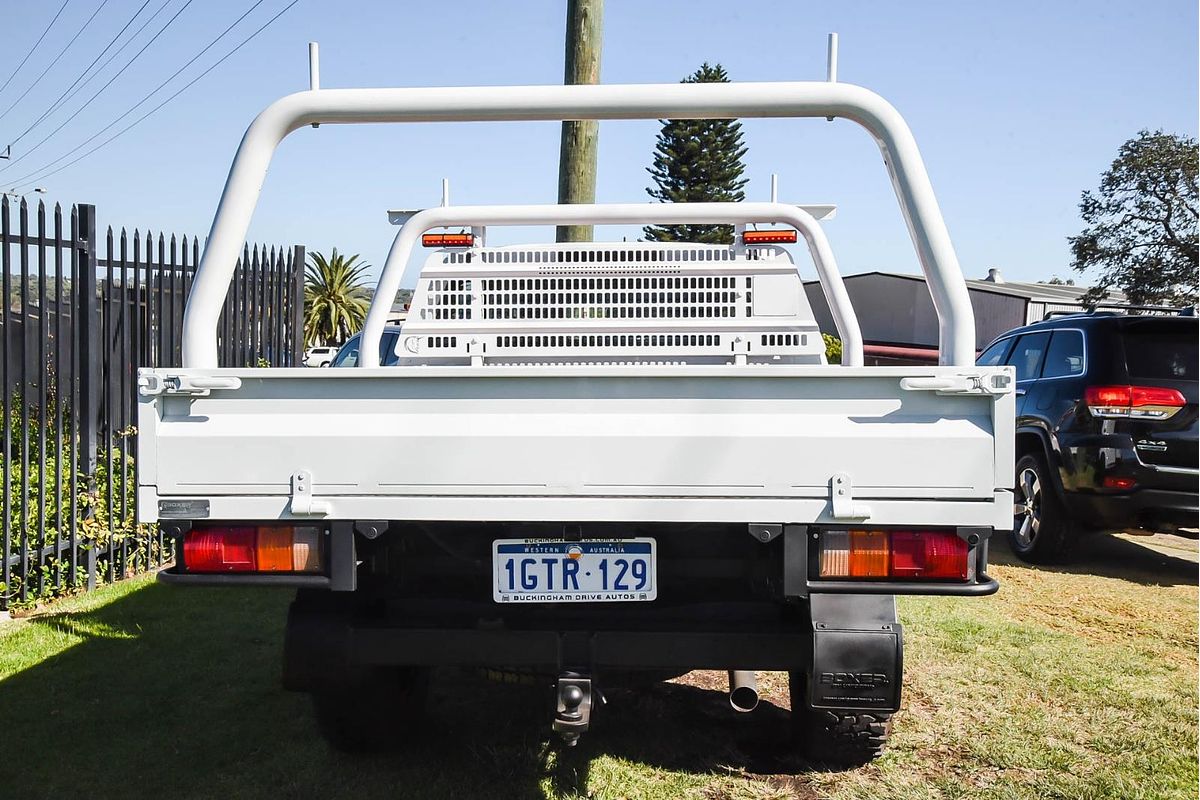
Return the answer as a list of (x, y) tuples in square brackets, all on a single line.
[(93, 77), (117, 52), (102, 89), (135, 106), (36, 177), (55, 61), (35, 46), (81, 75)]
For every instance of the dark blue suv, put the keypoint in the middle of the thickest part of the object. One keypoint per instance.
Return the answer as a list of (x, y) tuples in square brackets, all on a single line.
[(1106, 427)]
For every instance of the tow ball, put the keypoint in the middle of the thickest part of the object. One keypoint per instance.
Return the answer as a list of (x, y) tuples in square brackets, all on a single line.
[(573, 709)]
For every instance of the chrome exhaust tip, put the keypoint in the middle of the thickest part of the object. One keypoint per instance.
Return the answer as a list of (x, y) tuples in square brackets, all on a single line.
[(743, 690)]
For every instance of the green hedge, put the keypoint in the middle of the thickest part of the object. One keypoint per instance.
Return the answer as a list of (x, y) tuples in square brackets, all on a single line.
[(33, 501)]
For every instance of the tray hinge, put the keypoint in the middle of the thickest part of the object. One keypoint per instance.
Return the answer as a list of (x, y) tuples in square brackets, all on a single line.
[(302, 497), (841, 493)]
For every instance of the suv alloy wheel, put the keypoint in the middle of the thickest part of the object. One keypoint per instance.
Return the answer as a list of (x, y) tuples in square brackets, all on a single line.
[(1042, 532)]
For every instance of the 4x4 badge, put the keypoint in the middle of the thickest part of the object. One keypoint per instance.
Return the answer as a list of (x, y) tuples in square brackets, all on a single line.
[(1147, 444)]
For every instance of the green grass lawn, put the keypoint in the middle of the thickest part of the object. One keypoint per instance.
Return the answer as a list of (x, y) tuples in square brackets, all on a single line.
[(1077, 683)]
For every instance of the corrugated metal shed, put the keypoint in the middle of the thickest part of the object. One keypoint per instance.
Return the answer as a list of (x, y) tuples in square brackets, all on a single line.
[(895, 310)]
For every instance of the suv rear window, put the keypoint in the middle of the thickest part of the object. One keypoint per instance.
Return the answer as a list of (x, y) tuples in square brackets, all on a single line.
[(387, 351), (994, 355), (1160, 350), (1065, 356), (1027, 355)]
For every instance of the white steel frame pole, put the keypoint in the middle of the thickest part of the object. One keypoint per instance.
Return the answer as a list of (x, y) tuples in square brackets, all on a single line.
[(614, 214), (956, 322), (314, 66)]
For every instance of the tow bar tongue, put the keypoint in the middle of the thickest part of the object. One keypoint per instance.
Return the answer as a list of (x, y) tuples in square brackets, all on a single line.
[(573, 709)]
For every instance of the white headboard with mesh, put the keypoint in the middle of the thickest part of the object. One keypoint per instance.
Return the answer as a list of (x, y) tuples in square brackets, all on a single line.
[(619, 302)]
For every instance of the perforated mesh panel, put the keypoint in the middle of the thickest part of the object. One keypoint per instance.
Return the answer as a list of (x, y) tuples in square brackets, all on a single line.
[(640, 297), (782, 339), (448, 299), (560, 341)]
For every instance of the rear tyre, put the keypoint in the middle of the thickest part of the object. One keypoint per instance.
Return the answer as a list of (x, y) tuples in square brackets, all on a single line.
[(841, 739), (1042, 532), (372, 709)]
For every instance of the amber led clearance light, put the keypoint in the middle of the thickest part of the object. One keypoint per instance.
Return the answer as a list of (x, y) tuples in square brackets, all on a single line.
[(769, 237), (447, 240)]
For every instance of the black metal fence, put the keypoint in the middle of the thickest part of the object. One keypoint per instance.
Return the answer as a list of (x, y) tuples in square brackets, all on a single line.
[(81, 314)]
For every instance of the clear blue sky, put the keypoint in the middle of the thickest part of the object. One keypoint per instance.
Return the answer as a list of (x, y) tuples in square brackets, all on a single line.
[(1017, 107)]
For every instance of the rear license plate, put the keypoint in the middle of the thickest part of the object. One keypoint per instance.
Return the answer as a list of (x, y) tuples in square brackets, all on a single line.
[(587, 571)]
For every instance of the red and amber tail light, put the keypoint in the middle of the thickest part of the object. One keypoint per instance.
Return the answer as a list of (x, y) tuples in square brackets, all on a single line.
[(900, 555), (253, 548)]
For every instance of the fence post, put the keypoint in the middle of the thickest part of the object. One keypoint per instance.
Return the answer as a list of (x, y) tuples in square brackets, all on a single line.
[(6, 433), (298, 306), (88, 347), (87, 329)]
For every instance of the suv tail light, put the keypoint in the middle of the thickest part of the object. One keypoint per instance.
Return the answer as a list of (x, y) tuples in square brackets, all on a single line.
[(247, 548), (898, 555), (1136, 402)]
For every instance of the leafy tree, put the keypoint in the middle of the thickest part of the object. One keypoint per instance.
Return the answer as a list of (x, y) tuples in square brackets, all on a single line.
[(698, 161), (1141, 228), (335, 299)]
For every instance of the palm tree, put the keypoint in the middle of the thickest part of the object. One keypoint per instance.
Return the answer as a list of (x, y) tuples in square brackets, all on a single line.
[(335, 299)]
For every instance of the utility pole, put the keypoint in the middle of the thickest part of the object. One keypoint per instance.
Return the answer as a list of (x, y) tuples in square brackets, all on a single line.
[(577, 155)]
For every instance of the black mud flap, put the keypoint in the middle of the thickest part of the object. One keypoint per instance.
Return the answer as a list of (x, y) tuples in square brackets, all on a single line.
[(316, 647), (858, 654)]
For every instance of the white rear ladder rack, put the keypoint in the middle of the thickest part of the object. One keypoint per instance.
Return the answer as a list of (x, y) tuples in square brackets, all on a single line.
[(553, 103)]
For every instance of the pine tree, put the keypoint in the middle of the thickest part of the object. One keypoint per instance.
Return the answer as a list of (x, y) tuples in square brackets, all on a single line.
[(698, 161)]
